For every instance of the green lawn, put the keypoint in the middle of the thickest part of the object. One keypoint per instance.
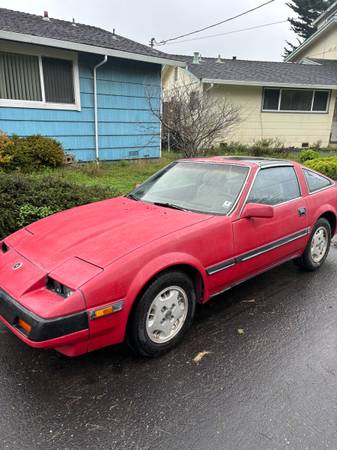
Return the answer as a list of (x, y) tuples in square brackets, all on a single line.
[(120, 175)]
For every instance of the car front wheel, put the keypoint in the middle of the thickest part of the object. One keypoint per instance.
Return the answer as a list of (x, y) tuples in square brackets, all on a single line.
[(163, 314), (317, 248)]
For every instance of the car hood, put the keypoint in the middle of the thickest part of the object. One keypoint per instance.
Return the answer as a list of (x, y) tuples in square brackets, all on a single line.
[(99, 233)]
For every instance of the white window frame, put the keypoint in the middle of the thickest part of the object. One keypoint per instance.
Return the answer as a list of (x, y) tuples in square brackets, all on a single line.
[(41, 52), (297, 111)]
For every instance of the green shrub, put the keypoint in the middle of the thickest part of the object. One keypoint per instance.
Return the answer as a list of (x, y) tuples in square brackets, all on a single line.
[(266, 147), (307, 155), (231, 148), (32, 153), (29, 213), (26, 198), (5, 144), (262, 147), (326, 166)]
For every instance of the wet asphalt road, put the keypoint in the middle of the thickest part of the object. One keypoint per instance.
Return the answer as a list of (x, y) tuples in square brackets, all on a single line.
[(274, 387)]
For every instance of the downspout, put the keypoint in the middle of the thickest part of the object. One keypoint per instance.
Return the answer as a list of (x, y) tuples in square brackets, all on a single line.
[(211, 86), (95, 106)]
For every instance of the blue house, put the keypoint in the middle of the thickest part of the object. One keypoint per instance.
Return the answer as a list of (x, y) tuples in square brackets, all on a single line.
[(86, 87)]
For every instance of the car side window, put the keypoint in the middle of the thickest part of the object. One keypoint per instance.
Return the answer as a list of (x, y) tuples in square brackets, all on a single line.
[(275, 185), (315, 181)]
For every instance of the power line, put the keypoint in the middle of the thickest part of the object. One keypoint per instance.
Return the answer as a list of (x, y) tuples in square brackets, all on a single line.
[(163, 42), (229, 32)]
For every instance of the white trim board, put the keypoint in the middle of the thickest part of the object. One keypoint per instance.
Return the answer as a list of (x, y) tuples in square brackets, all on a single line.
[(269, 84), (39, 52), (311, 39)]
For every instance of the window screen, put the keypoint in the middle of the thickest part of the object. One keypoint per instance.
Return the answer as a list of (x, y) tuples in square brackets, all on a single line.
[(315, 181), (320, 101), (271, 99), (19, 77), (293, 100), (58, 80), (275, 185)]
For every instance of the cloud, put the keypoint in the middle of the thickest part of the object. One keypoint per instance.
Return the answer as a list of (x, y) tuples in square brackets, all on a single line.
[(142, 20)]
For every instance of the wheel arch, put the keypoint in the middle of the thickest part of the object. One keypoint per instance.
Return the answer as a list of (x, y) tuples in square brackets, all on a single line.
[(192, 269), (189, 270), (330, 216)]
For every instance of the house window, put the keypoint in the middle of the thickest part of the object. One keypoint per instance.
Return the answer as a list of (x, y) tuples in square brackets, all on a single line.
[(300, 100), (37, 81), (58, 80), (19, 77)]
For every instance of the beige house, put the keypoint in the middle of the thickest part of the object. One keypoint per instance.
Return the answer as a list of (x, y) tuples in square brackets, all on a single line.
[(291, 101), (321, 49)]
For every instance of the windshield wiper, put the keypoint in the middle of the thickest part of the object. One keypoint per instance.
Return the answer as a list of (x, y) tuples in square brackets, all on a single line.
[(169, 205), (132, 197)]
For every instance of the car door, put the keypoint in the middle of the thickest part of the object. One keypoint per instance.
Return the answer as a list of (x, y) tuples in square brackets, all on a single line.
[(260, 243)]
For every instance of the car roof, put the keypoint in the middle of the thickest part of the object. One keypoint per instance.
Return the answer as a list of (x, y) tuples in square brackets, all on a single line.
[(244, 160)]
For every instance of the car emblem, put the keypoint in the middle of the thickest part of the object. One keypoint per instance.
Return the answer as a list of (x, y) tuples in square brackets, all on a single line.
[(17, 266)]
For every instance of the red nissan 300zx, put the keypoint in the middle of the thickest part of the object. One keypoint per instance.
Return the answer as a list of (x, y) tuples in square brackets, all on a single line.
[(133, 268)]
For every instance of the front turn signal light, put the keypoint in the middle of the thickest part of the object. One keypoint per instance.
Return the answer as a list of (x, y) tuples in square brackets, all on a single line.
[(24, 326), (106, 311)]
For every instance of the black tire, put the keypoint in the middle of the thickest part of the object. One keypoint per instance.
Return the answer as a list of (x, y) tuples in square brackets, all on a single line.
[(306, 261), (138, 336)]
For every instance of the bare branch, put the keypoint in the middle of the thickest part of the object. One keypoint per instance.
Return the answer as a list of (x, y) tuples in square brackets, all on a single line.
[(195, 121)]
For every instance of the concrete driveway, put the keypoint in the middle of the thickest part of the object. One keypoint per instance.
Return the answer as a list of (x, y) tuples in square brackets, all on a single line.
[(273, 386)]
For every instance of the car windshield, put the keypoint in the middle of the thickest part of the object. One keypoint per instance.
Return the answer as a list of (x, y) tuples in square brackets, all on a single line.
[(208, 188)]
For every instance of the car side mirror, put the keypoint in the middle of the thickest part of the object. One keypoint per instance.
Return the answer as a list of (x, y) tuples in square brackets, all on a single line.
[(257, 210)]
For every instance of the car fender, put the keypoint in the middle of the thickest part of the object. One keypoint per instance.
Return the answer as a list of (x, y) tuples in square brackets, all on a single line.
[(323, 209), (159, 264)]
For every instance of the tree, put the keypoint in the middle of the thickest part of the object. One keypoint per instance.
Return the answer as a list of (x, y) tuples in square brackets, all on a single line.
[(193, 121), (307, 11)]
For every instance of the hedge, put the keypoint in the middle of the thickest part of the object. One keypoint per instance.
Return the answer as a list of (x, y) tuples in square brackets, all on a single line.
[(30, 153), (307, 155), (326, 166), (26, 198)]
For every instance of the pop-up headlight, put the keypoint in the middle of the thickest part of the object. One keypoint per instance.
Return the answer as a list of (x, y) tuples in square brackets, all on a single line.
[(58, 288)]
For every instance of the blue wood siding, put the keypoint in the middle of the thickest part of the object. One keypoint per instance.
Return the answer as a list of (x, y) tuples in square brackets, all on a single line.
[(127, 127)]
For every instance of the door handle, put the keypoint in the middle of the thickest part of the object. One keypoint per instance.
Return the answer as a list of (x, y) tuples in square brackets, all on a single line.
[(302, 211)]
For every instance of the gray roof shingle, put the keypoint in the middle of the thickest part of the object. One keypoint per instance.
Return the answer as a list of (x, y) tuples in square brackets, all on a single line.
[(30, 24), (322, 74)]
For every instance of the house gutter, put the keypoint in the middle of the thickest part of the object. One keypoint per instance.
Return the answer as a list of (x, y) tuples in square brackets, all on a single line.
[(269, 84), (211, 86), (95, 105), (324, 14)]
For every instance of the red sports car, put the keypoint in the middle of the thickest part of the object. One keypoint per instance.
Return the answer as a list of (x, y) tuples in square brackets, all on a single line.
[(133, 268)]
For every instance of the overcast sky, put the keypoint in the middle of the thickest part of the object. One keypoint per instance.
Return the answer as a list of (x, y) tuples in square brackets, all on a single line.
[(142, 19)]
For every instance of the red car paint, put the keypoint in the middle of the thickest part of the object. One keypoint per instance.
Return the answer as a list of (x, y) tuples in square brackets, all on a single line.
[(108, 251)]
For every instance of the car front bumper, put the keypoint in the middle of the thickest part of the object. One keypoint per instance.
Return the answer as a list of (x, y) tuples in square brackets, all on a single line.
[(62, 333)]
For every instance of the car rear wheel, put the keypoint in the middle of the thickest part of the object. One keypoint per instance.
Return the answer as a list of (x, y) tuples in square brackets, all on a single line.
[(163, 314), (317, 248)]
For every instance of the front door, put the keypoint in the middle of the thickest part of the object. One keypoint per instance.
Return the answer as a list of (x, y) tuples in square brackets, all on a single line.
[(262, 242)]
